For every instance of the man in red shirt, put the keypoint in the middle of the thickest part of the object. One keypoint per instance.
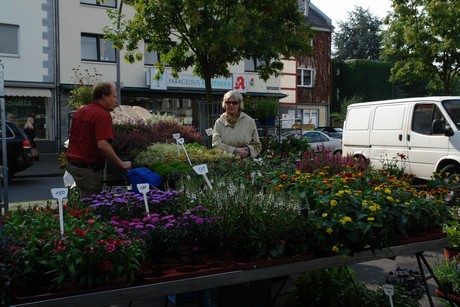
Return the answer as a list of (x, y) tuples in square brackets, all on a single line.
[(89, 144)]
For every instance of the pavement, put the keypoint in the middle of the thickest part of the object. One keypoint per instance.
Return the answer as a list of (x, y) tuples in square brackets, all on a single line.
[(46, 166)]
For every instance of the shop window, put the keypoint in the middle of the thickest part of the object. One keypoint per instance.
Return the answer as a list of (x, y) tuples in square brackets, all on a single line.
[(104, 3), (9, 39), (18, 109), (95, 48)]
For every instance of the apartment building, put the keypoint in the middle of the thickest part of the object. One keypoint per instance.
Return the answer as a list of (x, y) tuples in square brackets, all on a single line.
[(55, 44), (28, 51)]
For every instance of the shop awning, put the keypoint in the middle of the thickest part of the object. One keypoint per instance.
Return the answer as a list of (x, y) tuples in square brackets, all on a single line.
[(27, 92)]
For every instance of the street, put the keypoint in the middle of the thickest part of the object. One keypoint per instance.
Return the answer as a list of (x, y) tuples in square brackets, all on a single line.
[(32, 188)]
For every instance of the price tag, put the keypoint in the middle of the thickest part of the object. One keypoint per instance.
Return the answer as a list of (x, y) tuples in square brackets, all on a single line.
[(389, 291), (144, 188), (180, 141), (176, 136), (209, 131), (60, 194), (201, 169)]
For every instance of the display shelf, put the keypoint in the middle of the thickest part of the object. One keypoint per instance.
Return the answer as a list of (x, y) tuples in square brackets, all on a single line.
[(161, 289)]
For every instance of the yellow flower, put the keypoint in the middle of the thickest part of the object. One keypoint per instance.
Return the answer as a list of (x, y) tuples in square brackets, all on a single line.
[(374, 208), (297, 172), (280, 186), (324, 215), (329, 231), (333, 203), (389, 198), (387, 191), (364, 203), (335, 249), (345, 220), (370, 219), (377, 188)]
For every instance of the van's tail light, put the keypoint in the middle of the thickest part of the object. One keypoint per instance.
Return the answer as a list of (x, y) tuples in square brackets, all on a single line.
[(26, 144)]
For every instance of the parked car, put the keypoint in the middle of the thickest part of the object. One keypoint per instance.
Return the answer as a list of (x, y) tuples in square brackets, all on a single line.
[(320, 141), (331, 131), (317, 140), (18, 148)]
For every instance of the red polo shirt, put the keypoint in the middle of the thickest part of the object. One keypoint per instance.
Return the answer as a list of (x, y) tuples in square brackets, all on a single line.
[(90, 124)]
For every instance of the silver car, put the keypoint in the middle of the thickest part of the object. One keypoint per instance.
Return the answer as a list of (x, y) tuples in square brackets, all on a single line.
[(320, 141)]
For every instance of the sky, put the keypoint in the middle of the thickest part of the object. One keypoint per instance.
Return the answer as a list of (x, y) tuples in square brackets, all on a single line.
[(338, 10)]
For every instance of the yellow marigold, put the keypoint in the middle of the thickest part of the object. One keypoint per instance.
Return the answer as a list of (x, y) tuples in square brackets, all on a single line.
[(329, 231), (370, 219), (297, 172), (283, 176), (321, 174), (364, 203), (389, 198), (324, 215), (377, 188), (339, 193), (387, 191), (280, 186), (345, 220), (333, 203), (335, 249)]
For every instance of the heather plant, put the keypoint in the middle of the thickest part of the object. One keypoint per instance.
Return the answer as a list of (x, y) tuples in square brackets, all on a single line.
[(132, 137)]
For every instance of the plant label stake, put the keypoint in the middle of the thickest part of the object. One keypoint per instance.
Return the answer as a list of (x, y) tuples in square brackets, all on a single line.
[(60, 194), (202, 169), (176, 136), (144, 188), (389, 290), (181, 142), (208, 131)]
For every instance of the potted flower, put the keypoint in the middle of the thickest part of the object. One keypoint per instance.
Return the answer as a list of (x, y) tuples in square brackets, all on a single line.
[(89, 254), (448, 274), (264, 110)]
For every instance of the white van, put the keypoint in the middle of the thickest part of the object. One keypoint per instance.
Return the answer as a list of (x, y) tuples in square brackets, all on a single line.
[(425, 130)]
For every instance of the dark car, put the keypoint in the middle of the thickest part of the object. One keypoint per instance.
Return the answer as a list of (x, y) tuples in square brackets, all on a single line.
[(18, 148), (333, 132)]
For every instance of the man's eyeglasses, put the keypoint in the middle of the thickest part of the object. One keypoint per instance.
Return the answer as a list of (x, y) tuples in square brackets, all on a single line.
[(228, 102)]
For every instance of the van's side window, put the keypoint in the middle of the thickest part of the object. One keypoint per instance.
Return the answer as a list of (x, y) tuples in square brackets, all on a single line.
[(424, 114)]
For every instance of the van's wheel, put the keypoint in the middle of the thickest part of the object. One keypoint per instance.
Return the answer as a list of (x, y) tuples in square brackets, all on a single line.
[(338, 153)]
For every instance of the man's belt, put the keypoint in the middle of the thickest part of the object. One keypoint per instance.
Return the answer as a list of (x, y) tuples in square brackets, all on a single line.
[(95, 166)]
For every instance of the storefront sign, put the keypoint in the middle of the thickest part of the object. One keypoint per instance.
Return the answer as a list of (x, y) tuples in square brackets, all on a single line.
[(186, 81)]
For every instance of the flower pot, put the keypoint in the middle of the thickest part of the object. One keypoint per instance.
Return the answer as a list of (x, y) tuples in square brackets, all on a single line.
[(453, 297), (451, 252)]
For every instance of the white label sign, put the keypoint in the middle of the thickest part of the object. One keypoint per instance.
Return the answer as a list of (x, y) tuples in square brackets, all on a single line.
[(201, 169), (180, 141), (209, 131), (176, 136)]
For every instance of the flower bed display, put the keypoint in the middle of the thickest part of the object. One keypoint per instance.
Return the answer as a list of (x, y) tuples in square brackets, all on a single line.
[(270, 213)]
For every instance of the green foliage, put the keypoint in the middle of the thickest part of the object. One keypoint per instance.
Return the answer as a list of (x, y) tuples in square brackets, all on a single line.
[(81, 94), (262, 108), (421, 40), (448, 274), (339, 287), (341, 115), (359, 37)]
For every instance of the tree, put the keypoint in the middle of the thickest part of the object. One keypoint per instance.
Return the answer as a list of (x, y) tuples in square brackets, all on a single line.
[(359, 37), (423, 40), (208, 35)]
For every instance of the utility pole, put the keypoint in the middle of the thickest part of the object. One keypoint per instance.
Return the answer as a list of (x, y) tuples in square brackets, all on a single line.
[(118, 57), (3, 127)]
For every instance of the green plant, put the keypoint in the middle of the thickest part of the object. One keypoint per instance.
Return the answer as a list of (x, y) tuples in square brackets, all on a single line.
[(339, 287), (448, 274), (89, 254), (262, 108), (81, 94)]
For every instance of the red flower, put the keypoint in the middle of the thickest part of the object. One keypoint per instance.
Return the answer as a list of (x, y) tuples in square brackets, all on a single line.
[(106, 266), (110, 248)]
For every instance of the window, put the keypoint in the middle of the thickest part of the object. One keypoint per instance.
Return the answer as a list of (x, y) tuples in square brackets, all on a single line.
[(9, 39), (424, 115), (251, 64), (105, 3), (95, 48), (150, 58), (305, 77)]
